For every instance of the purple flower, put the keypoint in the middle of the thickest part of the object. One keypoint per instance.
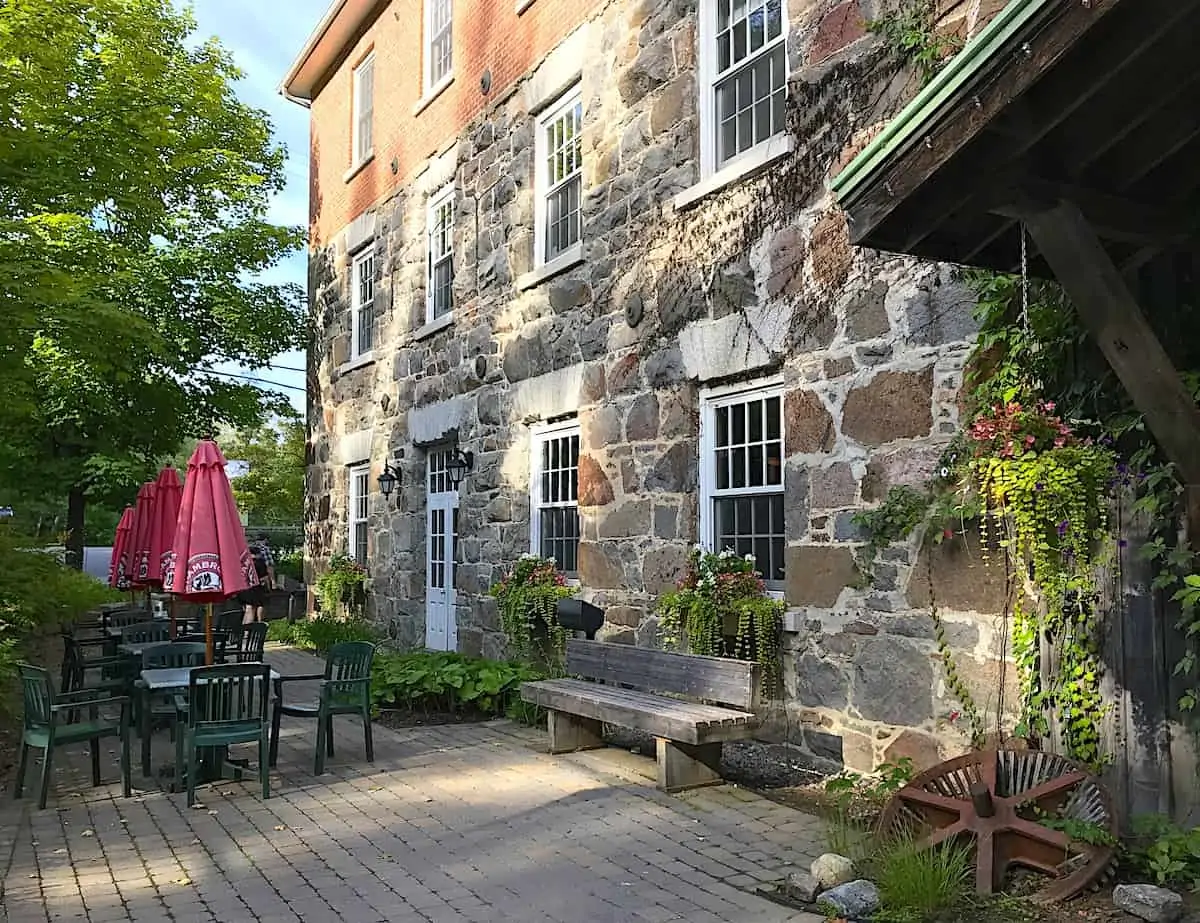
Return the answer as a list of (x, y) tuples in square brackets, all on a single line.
[(1063, 527), (1123, 543), (1039, 486)]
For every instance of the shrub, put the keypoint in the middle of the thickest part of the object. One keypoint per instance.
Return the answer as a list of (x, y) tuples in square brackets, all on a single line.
[(290, 565), (918, 884), (453, 683), (1164, 851), (321, 632)]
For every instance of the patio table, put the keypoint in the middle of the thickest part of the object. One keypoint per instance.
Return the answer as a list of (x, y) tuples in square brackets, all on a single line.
[(213, 760)]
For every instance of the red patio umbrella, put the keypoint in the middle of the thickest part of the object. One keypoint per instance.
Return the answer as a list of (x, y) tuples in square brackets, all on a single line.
[(139, 543), (118, 565), (209, 560), (168, 493)]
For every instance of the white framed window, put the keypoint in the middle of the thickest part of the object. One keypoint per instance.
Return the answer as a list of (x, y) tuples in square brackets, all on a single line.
[(554, 494), (559, 180), (741, 475), (439, 282), (360, 487), (439, 42), (743, 70), (364, 110), (362, 304)]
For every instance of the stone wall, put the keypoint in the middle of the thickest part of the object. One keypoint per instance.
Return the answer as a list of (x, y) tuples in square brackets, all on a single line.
[(756, 279)]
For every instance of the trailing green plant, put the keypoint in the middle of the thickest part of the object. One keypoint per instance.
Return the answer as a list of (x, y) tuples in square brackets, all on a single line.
[(720, 608), (450, 683), (912, 33), (1164, 851), (343, 583), (528, 598)]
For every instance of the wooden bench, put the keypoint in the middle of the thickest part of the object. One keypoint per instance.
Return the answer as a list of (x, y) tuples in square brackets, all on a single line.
[(690, 733)]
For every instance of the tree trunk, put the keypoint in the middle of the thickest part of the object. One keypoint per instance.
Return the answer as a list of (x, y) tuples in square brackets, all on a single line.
[(75, 507)]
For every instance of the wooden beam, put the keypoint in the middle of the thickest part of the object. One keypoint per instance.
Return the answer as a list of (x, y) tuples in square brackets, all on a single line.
[(1155, 143), (1110, 312), (1111, 217)]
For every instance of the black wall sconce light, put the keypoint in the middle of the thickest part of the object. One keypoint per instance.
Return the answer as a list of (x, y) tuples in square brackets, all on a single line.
[(388, 480), (458, 467)]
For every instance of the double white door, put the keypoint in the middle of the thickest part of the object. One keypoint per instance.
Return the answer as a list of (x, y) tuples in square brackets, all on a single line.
[(441, 542)]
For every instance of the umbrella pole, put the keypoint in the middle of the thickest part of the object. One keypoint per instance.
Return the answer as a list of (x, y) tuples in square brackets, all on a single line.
[(208, 637), (173, 629)]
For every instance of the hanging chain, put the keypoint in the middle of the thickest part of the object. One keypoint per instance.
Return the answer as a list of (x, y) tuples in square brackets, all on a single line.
[(1034, 346)]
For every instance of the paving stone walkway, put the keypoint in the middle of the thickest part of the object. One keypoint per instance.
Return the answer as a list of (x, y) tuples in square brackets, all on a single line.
[(453, 823)]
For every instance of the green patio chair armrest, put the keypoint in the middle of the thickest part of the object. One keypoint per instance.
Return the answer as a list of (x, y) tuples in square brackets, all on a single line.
[(122, 700), (79, 695), (309, 677)]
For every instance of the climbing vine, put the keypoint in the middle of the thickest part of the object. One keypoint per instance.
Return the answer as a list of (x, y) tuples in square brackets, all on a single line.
[(720, 609), (912, 33), (528, 601)]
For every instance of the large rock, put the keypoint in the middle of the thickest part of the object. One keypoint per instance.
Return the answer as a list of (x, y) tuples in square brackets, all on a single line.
[(922, 749), (663, 567), (831, 870), (893, 405), (955, 575), (842, 26), (820, 684), (808, 425), (831, 253), (675, 471), (817, 574), (787, 257), (595, 489), (855, 900), (641, 424), (910, 466), (1148, 902), (802, 886), (866, 314), (893, 682)]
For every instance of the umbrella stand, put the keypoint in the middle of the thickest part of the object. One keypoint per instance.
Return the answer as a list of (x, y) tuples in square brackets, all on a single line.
[(208, 636)]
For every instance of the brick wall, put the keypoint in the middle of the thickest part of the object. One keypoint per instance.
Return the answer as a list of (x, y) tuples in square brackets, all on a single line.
[(488, 36)]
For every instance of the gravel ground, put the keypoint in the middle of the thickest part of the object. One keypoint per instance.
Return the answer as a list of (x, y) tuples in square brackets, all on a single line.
[(750, 763)]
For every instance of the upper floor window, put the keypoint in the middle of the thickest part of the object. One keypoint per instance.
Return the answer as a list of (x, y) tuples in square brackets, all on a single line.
[(741, 476), (554, 494), (359, 497), (744, 68), (362, 304), (364, 109), (559, 149), (439, 42), (439, 291)]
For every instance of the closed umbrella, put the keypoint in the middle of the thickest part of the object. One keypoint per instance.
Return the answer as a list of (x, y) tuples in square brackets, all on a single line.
[(118, 565), (139, 545), (209, 560), (168, 493)]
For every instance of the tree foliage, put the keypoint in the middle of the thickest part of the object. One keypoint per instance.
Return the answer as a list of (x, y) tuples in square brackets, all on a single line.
[(272, 492), (134, 194)]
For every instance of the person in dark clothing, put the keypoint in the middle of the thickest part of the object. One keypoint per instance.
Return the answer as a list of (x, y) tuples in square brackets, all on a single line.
[(255, 599)]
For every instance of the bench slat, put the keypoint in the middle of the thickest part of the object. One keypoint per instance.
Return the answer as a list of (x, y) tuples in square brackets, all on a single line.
[(713, 679), (668, 718)]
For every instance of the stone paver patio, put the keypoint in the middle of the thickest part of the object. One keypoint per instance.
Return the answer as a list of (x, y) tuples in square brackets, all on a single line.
[(454, 823)]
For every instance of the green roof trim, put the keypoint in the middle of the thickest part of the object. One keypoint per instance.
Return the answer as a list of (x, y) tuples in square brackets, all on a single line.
[(944, 88)]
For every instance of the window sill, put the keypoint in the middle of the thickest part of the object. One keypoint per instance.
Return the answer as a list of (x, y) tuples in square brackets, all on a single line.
[(429, 329), (523, 5), (568, 259), (357, 168), (757, 158), (358, 362), (433, 93)]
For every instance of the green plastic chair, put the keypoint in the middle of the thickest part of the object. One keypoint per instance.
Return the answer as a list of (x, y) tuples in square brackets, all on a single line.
[(48, 724), (345, 690), (146, 633), (251, 643), (162, 705), (226, 704)]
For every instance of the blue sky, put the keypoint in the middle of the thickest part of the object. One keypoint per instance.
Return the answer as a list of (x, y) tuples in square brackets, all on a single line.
[(264, 39)]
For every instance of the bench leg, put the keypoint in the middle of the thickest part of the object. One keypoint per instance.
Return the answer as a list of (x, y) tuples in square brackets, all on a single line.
[(571, 732), (682, 766)]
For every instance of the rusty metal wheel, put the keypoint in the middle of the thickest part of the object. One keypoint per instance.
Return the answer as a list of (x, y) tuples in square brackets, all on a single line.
[(997, 799)]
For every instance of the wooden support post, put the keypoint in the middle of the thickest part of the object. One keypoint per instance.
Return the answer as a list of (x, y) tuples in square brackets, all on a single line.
[(1109, 310), (682, 766), (569, 733)]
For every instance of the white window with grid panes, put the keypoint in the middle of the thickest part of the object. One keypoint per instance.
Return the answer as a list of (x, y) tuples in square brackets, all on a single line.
[(741, 476), (559, 148), (554, 494), (439, 290), (364, 110), (362, 304), (743, 67), (359, 499), (439, 43)]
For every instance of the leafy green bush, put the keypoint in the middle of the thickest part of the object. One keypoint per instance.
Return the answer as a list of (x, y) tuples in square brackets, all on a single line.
[(1164, 851), (290, 565), (37, 592), (321, 632), (453, 683)]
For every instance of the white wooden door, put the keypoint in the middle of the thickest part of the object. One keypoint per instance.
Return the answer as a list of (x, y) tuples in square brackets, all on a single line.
[(441, 541)]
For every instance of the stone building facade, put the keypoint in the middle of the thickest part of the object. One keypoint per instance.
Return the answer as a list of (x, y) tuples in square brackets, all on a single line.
[(698, 357)]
